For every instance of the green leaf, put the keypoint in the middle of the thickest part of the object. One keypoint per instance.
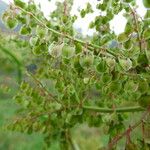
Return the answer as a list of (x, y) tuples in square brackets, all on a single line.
[(148, 55), (20, 3), (146, 3), (146, 34), (83, 13), (123, 37), (128, 44)]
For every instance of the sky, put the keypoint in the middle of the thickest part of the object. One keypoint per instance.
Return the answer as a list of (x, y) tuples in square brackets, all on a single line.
[(117, 24)]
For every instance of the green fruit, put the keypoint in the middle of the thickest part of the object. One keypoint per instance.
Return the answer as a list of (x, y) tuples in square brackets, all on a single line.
[(115, 86), (102, 66), (55, 50), (146, 3), (33, 40), (68, 51), (41, 31), (24, 86), (106, 77), (130, 86), (87, 60), (143, 87), (126, 64), (37, 50), (25, 30), (86, 80), (111, 63), (144, 101), (11, 23)]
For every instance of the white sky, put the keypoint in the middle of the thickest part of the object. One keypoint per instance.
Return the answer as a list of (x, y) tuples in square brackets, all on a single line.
[(117, 24)]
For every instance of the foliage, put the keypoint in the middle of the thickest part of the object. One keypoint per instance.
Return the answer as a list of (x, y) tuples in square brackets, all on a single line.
[(79, 82)]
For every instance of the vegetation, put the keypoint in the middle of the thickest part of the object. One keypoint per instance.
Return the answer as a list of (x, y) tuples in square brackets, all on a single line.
[(70, 82)]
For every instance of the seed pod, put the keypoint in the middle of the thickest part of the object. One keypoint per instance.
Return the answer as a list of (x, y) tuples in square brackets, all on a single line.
[(86, 60), (143, 87), (55, 50), (25, 30), (11, 23), (33, 40), (130, 86), (144, 101), (68, 51), (41, 32), (126, 64), (101, 67)]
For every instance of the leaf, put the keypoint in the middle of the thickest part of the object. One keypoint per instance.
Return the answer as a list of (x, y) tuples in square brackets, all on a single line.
[(123, 37), (128, 1), (148, 55), (128, 44), (83, 13), (146, 34), (144, 101), (146, 3), (20, 3)]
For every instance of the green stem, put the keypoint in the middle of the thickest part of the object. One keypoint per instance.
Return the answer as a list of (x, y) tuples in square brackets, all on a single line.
[(109, 110)]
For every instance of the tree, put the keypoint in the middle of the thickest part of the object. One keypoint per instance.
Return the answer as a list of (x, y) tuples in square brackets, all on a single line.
[(84, 82)]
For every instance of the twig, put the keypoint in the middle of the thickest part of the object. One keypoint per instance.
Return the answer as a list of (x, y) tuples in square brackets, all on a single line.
[(90, 45), (131, 128), (137, 27), (42, 87)]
